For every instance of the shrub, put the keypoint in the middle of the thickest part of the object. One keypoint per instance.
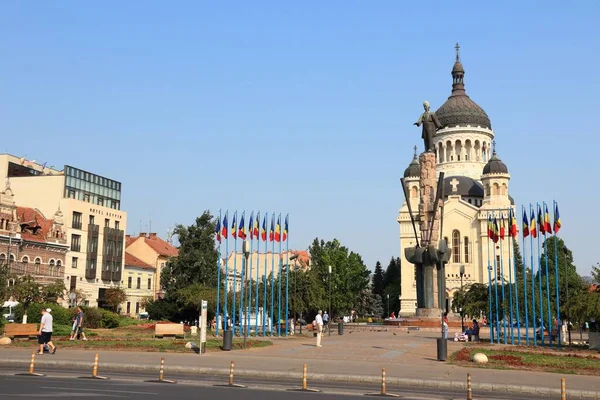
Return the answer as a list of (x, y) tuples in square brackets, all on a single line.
[(160, 310), (110, 320), (60, 315)]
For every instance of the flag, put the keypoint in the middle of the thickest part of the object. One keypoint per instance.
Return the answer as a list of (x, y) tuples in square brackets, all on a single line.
[(251, 225), (263, 232), (242, 229), (255, 226), (278, 229), (224, 231), (285, 229), (490, 228), (547, 225), (513, 224), (502, 228), (525, 225), (234, 228), (218, 230), (532, 225), (496, 235), (540, 221), (557, 223), (272, 231)]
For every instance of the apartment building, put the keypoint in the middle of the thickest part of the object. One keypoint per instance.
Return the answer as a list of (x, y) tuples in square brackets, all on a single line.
[(138, 284)]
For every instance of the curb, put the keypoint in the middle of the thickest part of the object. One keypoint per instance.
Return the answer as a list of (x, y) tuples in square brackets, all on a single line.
[(422, 383)]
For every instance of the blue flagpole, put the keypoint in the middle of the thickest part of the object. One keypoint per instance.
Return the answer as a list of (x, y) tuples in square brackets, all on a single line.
[(287, 275), (510, 294), (249, 306), (234, 271), (266, 224), (490, 323), (496, 290), (218, 281), (514, 258), (257, 268), (502, 274), (532, 277), (279, 279), (272, 278), (559, 323), (225, 305), (525, 278), (547, 280), (539, 263), (243, 273)]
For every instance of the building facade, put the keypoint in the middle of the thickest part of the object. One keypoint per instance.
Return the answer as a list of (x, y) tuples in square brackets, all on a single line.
[(93, 222), (476, 186), (138, 284)]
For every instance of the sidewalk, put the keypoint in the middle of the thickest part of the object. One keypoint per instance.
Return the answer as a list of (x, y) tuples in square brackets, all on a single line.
[(409, 359)]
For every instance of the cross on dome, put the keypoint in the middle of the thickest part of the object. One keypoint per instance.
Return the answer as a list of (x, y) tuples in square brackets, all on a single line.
[(493, 146), (415, 148), (454, 182), (457, 47)]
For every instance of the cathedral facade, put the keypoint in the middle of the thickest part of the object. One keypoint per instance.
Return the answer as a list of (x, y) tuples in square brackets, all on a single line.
[(476, 187)]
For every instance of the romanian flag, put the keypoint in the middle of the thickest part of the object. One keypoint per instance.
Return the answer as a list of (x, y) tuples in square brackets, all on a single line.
[(557, 223), (242, 229), (278, 229), (285, 228), (496, 231), (224, 231), (234, 227), (532, 225), (218, 230), (254, 226), (547, 224), (540, 221), (263, 232), (513, 224), (272, 231), (250, 226), (502, 228), (525, 225), (490, 228)]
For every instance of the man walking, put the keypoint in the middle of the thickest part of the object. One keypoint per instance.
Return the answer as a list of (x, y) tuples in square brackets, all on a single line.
[(319, 321), (78, 326), (45, 336)]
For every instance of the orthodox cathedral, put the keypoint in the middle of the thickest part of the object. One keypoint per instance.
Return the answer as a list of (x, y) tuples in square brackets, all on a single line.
[(476, 185)]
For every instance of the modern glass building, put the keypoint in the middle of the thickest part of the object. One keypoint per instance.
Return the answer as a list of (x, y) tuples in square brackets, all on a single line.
[(92, 188)]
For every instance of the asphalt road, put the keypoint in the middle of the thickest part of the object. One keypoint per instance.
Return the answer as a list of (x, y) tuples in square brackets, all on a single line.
[(65, 384)]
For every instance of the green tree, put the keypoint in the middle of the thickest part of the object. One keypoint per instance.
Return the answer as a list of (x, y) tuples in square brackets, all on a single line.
[(369, 304), (26, 291), (378, 280), (54, 291), (392, 282), (114, 296)]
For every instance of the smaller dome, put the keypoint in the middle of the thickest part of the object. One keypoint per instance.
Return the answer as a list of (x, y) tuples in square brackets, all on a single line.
[(414, 169), (495, 166), (458, 68)]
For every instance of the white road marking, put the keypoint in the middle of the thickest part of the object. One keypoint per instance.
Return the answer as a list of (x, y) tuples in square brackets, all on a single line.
[(101, 390)]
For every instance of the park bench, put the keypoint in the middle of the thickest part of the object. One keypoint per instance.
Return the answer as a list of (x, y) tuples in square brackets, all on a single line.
[(21, 331), (162, 330)]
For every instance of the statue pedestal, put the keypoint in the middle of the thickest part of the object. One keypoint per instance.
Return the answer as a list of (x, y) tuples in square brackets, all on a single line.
[(429, 313)]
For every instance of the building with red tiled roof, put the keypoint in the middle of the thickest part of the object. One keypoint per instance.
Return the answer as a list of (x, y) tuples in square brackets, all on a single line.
[(154, 251), (138, 278)]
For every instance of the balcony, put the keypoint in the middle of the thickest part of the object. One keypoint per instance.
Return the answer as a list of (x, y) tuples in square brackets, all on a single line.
[(40, 272)]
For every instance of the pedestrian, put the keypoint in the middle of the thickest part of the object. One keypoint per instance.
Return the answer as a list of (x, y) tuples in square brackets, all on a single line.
[(445, 325), (45, 334), (319, 323), (325, 319), (78, 326)]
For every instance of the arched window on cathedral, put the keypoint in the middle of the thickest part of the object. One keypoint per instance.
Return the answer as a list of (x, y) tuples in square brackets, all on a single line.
[(458, 149), (414, 192), (448, 156), (487, 190), (496, 189), (455, 246), (466, 240), (504, 189), (440, 153), (468, 150)]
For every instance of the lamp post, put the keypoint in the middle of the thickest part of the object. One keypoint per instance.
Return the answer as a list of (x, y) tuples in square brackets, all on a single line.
[(330, 319), (246, 251), (462, 300), (388, 304)]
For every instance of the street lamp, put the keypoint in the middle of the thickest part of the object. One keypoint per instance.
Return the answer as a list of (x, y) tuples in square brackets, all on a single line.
[(388, 304), (330, 319), (462, 300), (246, 251)]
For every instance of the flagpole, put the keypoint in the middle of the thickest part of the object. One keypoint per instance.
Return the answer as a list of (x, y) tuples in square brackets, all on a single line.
[(257, 268), (234, 229), (287, 275), (555, 206), (490, 323), (525, 218), (226, 302), (218, 227), (249, 306), (272, 274), (514, 258), (265, 224), (496, 282), (547, 277), (243, 273), (510, 294), (532, 273), (541, 291), (502, 274), (279, 280)]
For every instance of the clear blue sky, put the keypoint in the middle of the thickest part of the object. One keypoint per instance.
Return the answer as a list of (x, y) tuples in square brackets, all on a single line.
[(303, 108)]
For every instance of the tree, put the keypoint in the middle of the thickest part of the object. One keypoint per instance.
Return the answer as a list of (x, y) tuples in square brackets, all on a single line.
[(114, 296), (596, 274), (26, 291), (368, 304), (5, 275), (54, 291), (475, 300), (392, 280), (378, 280), (197, 259)]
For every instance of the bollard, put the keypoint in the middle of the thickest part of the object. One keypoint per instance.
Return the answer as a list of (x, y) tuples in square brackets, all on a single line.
[(304, 387), (31, 367), (230, 383), (94, 371), (383, 381), (469, 387), (161, 374), (304, 377), (563, 389), (383, 392)]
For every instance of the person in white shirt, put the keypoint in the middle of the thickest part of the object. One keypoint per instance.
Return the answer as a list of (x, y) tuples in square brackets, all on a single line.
[(319, 321), (45, 336)]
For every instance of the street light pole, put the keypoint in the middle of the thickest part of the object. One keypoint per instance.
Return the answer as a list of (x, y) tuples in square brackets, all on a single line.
[(388, 304), (246, 251), (462, 300), (330, 318)]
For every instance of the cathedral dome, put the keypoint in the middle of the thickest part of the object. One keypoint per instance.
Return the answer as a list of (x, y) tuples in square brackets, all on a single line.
[(414, 169), (459, 109), (495, 165)]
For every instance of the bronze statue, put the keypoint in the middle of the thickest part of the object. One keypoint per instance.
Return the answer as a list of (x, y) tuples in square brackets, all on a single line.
[(430, 125)]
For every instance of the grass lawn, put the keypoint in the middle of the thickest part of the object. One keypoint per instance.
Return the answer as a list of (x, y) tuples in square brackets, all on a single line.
[(529, 360)]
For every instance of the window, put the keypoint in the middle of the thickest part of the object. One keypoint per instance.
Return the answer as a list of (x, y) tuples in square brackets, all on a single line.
[(38, 261), (51, 267), (86, 197), (58, 265), (128, 307), (139, 283), (100, 201), (455, 246), (149, 283), (129, 282), (25, 264), (2, 259), (71, 194), (137, 308), (73, 284), (76, 220), (107, 222), (92, 220), (75, 242), (117, 224), (467, 249)]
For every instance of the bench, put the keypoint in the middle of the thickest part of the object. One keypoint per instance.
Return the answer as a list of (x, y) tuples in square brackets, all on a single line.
[(162, 330), (413, 328), (21, 331)]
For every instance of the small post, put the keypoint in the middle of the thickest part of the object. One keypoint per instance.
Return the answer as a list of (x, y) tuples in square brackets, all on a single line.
[(94, 371), (31, 368), (304, 377), (231, 374), (161, 374), (563, 389), (383, 390), (469, 387)]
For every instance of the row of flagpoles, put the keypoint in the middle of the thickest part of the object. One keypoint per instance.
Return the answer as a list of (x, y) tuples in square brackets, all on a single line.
[(223, 231), (497, 232)]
